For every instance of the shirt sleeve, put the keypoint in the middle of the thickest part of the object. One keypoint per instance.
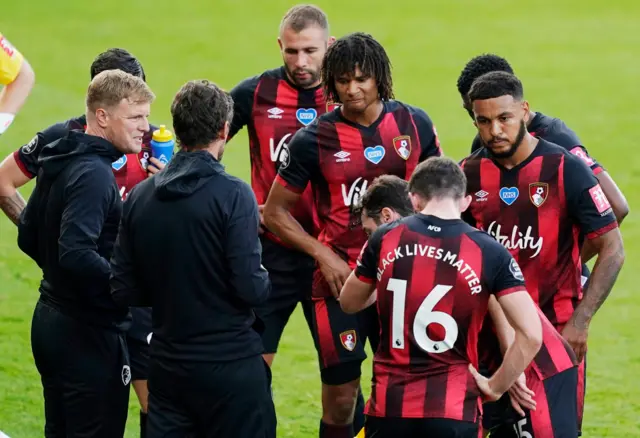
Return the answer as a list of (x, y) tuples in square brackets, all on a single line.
[(87, 199), (299, 162), (10, 61), (243, 95), (560, 134), (586, 202), (428, 135), (243, 250), (367, 262), (503, 272), (27, 155), (582, 153), (28, 226)]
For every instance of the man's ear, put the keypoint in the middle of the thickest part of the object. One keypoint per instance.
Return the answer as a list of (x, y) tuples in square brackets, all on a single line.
[(525, 108), (388, 215), (464, 203), (225, 130), (102, 117), (417, 202)]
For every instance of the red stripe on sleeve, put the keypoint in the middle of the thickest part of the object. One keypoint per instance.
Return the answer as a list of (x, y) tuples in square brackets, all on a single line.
[(364, 279), (602, 231), (23, 168), (288, 186), (509, 291)]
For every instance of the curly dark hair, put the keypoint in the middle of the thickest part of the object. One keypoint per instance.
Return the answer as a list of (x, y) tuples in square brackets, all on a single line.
[(477, 67), (199, 111), (361, 50), (117, 59)]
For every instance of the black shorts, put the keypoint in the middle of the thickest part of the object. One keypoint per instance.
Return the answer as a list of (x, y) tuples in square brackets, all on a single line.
[(291, 274), (556, 411), (340, 338), (224, 399), (138, 342), (384, 427), (85, 375), (139, 357), (582, 391)]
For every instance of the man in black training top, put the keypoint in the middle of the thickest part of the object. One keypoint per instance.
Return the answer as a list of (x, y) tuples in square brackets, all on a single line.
[(22, 165), (69, 227), (188, 247)]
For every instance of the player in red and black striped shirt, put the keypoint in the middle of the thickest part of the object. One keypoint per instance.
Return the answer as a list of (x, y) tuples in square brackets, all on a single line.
[(386, 200), (547, 128), (541, 202), (434, 277), (555, 131), (338, 155), (273, 106)]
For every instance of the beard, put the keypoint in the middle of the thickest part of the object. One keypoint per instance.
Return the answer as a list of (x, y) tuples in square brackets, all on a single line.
[(514, 146), (314, 76)]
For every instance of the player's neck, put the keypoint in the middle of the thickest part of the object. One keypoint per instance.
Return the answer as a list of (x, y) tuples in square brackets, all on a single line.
[(96, 131), (531, 117), (524, 151), (367, 117), (215, 148), (446, 209)]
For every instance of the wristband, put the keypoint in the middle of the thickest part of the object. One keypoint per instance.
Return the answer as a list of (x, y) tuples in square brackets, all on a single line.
[(5, 121)]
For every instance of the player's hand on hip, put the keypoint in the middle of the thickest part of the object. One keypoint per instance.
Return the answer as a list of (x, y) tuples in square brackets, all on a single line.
[(577, 338), (488, 394), (335, 271), (521, 396), (154, 166)]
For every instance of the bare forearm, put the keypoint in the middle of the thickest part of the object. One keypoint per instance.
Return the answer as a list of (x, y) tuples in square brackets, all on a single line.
[(283, 225), (604, 275), (12, 206), (517, 358), (505, 333), (588, 252), (14, 95)]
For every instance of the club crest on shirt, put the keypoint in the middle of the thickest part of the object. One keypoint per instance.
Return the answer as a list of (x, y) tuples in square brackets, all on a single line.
[(143, 158), (119, 163), (348, 339), (332, 106), (538, 193), (402, 145)]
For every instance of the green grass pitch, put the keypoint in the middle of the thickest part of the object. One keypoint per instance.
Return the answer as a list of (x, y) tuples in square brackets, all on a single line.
[(578, 60)]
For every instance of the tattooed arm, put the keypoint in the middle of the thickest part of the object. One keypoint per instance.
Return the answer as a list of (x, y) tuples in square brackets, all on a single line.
[(11, 177), (605, 272)]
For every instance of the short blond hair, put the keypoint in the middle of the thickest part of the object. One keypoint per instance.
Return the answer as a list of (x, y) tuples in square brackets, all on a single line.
[(108, 88)]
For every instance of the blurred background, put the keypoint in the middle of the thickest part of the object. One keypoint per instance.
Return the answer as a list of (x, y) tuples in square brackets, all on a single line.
[(578, 60)]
